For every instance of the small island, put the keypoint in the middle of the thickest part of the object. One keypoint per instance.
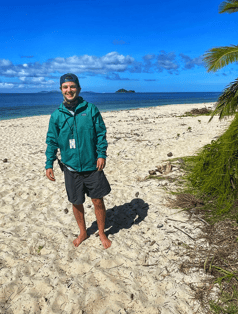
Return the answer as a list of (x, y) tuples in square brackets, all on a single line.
[(122, 90)]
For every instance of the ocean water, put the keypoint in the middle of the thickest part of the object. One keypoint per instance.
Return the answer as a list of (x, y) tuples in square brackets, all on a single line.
[(14, 106)]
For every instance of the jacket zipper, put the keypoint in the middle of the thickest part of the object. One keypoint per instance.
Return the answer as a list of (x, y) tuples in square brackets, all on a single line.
[(77, 144)]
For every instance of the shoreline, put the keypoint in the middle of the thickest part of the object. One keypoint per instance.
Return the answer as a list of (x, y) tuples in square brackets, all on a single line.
[(104, 111), (42, 271)]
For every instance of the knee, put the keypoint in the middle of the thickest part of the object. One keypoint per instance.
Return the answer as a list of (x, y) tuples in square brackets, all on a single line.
[(78, 206), (97, 201)]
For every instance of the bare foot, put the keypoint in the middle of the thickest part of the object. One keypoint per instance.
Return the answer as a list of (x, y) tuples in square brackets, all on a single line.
[(80, 239), (105, 241)]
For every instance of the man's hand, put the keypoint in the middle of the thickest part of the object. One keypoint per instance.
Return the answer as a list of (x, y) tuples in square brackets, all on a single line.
[(50, 174), (101, 163)]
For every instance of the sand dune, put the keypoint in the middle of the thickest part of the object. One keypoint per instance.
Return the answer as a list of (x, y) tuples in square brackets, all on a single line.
[(42, 272)]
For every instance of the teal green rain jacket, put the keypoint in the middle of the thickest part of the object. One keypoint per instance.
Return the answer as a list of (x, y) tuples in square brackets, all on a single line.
[(88, 130)]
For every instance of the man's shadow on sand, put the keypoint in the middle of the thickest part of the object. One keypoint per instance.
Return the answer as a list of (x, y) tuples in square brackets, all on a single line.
[(122, 217)]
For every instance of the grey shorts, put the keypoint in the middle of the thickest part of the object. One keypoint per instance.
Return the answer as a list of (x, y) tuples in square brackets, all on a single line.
[(92, 183)]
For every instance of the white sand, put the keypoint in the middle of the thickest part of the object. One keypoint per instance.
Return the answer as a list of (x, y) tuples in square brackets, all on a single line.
[(140, 272)]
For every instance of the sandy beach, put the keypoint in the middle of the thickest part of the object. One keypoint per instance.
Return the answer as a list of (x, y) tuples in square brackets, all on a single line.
[(42, 272)]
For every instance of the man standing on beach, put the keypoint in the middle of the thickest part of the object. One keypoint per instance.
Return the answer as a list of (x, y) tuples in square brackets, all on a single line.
[(78, 130)]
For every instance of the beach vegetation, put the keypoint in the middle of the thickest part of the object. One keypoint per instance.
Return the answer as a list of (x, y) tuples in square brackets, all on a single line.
[(197, 112), (219, 57), (229, 6), (159, 178), (211, 192), (227, 102), (214, 171), (39, 249), (230, 308)]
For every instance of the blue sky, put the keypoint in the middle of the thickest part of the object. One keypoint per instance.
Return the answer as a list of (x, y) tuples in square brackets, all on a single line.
[(147, 46)]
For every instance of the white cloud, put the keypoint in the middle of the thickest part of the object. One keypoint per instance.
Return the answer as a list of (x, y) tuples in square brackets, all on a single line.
[(111, 62), (116, 77), (167, 61), (36, 74), (190, 63), (6, 85), (5, 63), (92, 65), (34, 80), (159, 63)]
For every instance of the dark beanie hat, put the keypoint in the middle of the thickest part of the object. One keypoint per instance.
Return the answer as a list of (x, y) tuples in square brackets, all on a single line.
[(69, 77)]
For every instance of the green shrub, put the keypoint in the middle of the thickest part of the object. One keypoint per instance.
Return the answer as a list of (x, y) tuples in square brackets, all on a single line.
[(214, 169)]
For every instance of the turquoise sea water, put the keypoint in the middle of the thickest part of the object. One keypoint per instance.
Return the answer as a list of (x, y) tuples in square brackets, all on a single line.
[(24, 105)]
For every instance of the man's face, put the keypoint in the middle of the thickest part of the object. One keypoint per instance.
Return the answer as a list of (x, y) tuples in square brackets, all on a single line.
[(70, 90)]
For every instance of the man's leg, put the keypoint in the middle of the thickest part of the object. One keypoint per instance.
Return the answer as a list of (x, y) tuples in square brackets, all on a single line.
[(79, 216), (100, 213)]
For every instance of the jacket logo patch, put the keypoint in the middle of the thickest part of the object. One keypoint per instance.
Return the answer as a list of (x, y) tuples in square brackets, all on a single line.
[(83, 114)]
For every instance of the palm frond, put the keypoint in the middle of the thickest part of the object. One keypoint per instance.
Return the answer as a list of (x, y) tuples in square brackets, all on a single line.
[(227, 103), (229, 6), (217, 58)]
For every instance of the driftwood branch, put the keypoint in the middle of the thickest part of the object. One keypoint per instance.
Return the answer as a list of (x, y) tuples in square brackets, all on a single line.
[(185, 233)]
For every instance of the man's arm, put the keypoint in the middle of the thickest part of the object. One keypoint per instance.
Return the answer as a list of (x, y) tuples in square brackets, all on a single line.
[(52, 146), (100, 129), (101, 163), (50, 174)]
